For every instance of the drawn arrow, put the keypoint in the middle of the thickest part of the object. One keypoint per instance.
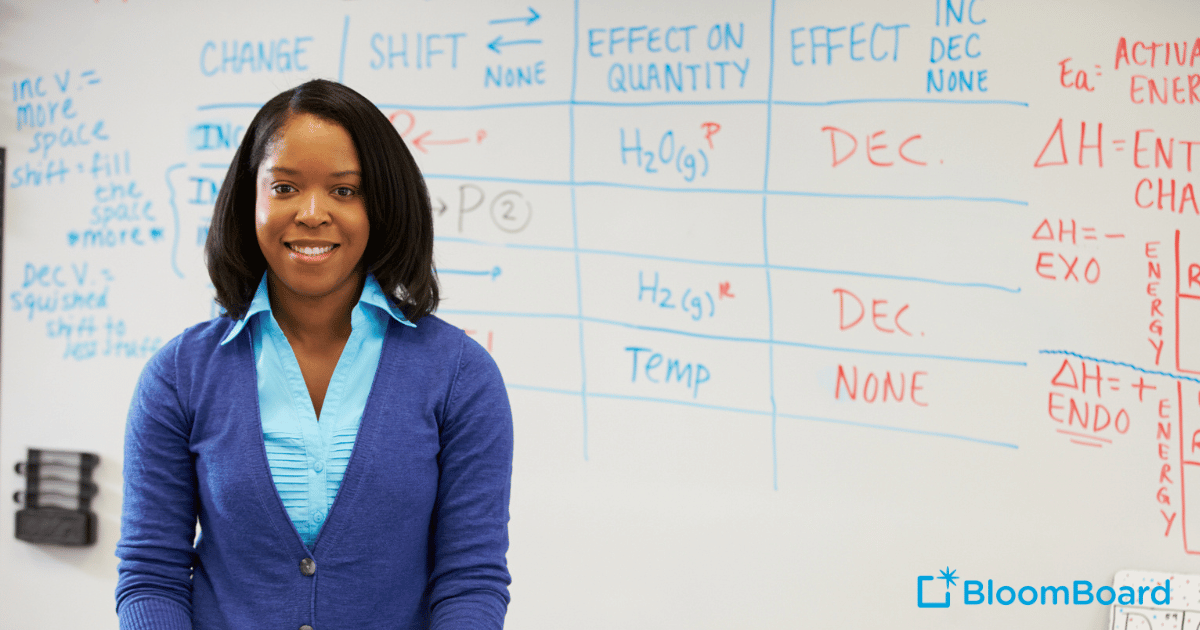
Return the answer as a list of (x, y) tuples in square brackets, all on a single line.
[(533, 17), (499, 41), (441, 207), (493, 272), (420, 141)]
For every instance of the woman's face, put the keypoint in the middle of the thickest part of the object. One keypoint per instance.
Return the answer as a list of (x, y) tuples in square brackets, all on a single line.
[(309, 213)]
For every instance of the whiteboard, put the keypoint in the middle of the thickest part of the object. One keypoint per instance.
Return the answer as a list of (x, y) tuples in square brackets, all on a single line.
[(799, 304)]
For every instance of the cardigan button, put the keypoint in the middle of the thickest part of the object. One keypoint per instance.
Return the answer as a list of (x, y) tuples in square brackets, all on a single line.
[(306, 627), (308, 567)]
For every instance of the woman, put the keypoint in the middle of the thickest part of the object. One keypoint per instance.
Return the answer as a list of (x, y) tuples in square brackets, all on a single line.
[(346, 454)]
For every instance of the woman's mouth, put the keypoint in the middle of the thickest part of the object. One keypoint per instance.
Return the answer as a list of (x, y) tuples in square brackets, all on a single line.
[(311, 251)]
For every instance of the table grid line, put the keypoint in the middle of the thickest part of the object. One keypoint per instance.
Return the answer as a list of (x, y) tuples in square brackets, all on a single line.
[(767, 263), (726, 191), (731, 264), (661, 103), (575, 235), (729, 338), (763, 412)]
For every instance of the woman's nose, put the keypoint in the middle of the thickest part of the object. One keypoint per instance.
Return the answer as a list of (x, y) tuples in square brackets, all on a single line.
[(312, 212)]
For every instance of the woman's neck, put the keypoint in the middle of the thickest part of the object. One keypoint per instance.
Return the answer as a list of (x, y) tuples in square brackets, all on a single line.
[(310, 320)]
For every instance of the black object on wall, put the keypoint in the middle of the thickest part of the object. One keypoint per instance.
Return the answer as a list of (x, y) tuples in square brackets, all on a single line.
[(58, 498)]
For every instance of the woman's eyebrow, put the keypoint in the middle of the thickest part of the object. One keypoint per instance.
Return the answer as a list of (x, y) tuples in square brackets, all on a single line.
[(291, 171)]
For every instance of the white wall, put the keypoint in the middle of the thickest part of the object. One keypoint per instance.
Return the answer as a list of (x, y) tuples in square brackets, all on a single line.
[(765, 496)]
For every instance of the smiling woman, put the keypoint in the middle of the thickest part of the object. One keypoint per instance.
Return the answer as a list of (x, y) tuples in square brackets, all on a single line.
[(328, 423), (309, 214)]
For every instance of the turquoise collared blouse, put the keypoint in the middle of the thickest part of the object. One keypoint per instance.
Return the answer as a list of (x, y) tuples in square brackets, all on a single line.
[(308, 458)]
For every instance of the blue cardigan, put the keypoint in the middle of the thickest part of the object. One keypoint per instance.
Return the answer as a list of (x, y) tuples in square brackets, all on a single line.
[(415, 539)]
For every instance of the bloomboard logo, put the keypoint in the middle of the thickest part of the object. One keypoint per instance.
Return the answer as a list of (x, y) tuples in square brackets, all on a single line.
[(1080, 593)]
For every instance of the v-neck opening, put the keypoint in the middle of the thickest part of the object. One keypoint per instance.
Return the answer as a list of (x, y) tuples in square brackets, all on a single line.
[(307, 459)]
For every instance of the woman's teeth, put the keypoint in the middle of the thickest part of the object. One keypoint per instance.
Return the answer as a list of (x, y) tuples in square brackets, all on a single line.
[(312, 251)]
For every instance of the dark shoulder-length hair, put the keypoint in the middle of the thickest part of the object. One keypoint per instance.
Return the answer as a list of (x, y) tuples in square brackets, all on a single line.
[(400, 246)]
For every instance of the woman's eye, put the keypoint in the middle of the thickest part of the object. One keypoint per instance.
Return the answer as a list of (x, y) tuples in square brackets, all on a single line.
[(344, 191), (283, 188)]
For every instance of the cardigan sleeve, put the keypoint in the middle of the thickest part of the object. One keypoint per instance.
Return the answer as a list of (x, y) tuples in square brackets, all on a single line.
[(158, 519), (469, 581)]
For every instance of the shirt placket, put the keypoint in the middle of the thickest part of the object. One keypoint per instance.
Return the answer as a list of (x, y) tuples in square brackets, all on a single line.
[(315, 450)]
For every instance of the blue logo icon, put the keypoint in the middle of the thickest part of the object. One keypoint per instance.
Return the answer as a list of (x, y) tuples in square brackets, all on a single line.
[(948, 576)]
